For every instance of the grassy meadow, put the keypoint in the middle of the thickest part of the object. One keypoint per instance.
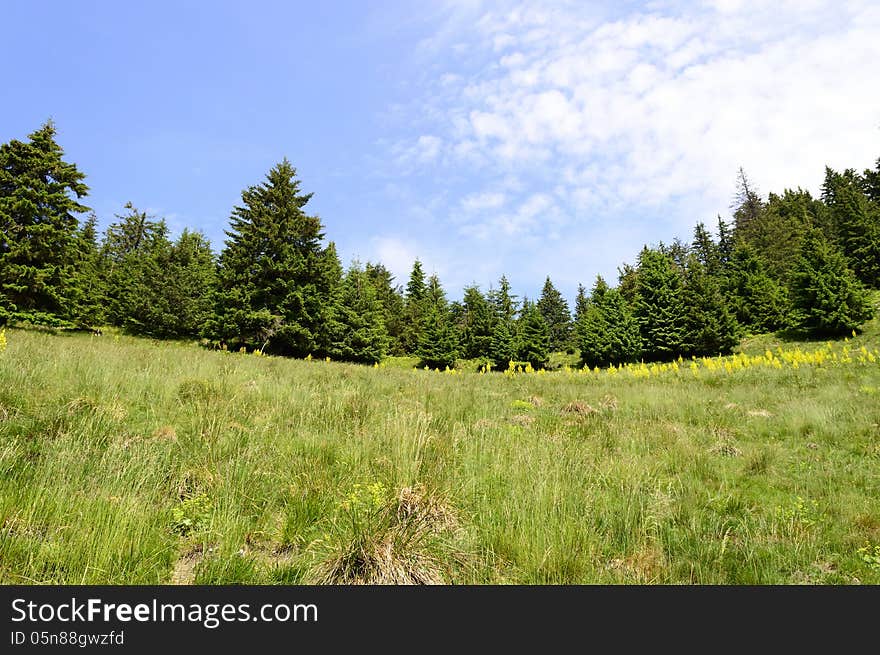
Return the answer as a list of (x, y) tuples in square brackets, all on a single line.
[(131, 461)]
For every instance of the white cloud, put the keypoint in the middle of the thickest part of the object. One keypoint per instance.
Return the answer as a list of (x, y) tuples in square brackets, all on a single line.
[(661, 105)]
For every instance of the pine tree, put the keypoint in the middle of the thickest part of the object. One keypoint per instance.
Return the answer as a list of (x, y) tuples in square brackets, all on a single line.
[(533, 336), (556, 315), (747, 205), (871, 184), (271, 291), (827, 296), (476, 325), (627, 277), (581, 303), (414, 309), (659, 307), (358, 324), (609, 334), (503, 348), (706, 250), (133, 262), (504, 307), (710, 328), (759, 303), (857, 220), (40, 244), (776, 234), (88, 299), (187, 285), (725, 242), (390, 296), (438, 343), (504, 304)]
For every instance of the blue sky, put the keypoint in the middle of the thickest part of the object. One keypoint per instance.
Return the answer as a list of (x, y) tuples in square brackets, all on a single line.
[(485, 137)]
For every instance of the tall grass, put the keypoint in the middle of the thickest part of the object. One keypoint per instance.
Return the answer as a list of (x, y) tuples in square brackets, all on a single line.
[(129, 461)]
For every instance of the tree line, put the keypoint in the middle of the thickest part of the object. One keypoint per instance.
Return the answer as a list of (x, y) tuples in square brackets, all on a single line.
[(789, 261)]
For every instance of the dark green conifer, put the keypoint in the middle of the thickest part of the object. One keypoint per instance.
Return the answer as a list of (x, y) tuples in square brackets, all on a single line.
[(40, 242), (828, 298), (271, 292)]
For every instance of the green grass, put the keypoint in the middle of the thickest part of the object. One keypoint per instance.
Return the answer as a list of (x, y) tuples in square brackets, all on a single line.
[(125, 460)]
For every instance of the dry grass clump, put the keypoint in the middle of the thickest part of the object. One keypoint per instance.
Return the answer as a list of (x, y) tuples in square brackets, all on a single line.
[(581, 408), (407, 539)]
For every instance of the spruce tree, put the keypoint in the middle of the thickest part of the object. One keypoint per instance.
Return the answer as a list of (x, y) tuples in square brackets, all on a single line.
[(271, 291), (390, 296), (726, 242), (358, 323), (857, 220), (556, 315), (759, 302), (476, 325), (776, 235), (609, 334), (706, 250), (504, 304), (747, 205), (659, 307), (438, 341), (88, 299), (40, 243), (187, 284), (828, 298), (134, 263), (533, 336), (414, 309), (503, 347), (627, 276), (710, 328), (871, 184), (504, 332), (581, 303)]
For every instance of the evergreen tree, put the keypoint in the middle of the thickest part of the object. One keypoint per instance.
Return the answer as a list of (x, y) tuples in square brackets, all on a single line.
[(759, 303), (725, 242), (556, 315), (627, 276), (533, 336), (390, 297), (581, 303), (271, 291), (706, 250), (858, 223), (414, 309), (678, 252), (659, 307), (187, 281), (504, 307), (503, 348), (871, 184), (358, 323), (609, 334), (88, 298), (827, 296), (438, 343), (476, 325), (133, 263), (776, 234), (709, 327), (504, 304), (747, 205), (40, 243)]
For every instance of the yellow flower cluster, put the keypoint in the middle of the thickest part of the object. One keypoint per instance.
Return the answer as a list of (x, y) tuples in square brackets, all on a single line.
[(2, 340), (823, 357), (827, 355)]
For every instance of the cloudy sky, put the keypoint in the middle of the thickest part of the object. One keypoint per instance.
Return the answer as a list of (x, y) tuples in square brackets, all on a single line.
[(485, 137)]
